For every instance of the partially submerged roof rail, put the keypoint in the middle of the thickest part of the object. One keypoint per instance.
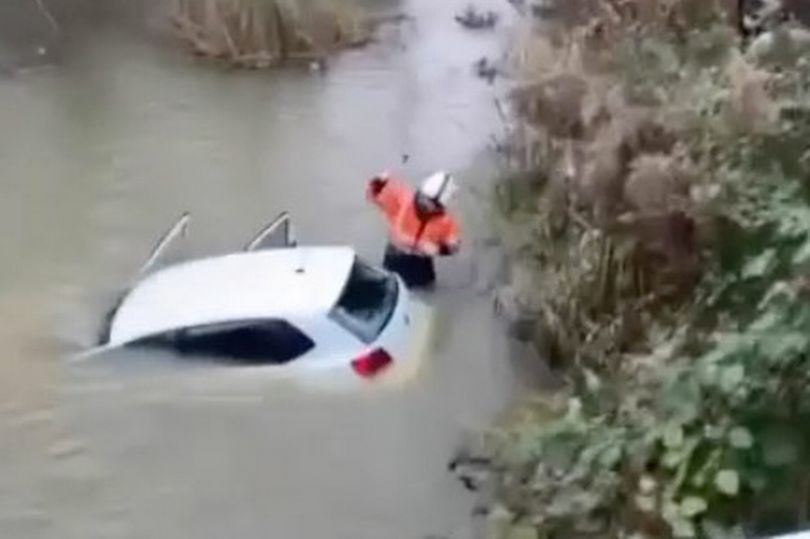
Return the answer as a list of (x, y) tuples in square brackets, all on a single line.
[(177, 230), (281, 224)]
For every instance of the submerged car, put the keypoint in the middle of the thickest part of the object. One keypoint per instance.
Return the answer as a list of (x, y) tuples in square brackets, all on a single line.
[(300, 307)]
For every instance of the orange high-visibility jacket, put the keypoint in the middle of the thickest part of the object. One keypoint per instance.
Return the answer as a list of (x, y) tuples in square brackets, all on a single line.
[(406, 229)]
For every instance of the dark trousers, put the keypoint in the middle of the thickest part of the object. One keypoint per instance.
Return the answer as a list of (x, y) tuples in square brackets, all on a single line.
[(416, 270)]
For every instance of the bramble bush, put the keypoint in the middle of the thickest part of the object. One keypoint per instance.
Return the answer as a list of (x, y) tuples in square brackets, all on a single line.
[(695, 423)]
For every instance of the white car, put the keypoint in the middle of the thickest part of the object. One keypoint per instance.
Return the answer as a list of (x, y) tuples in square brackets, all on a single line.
[(301, 307)]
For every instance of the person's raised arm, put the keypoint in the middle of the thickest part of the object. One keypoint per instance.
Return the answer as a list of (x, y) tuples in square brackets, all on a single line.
[(376, 186)]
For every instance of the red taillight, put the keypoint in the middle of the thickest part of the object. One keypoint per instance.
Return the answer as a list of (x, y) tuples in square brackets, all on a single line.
[(371, 363)]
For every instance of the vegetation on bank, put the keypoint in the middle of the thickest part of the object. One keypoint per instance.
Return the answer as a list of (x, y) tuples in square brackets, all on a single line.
[(265, 33), (658, 215)]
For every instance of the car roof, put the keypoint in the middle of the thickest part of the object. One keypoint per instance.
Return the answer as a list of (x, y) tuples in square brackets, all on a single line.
[(279, 283)]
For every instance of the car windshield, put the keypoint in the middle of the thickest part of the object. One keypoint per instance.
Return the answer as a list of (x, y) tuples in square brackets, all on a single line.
[(367, 302)]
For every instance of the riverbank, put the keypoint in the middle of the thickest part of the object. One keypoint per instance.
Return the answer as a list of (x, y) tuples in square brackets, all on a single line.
[(248, 34), (661, 233), (255, 35)]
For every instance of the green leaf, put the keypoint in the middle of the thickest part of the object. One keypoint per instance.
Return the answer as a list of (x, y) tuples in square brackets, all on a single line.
[(670, 511), (701, 476), (715, 530), (572, 500), (802, 256), (756, 479), (560, 449), (683, 468), (499, 521), (759, 265), (782, 346), (740, 438), (611, 457), (692, 506), (710, 432), (731, 377), (593, 526), (682, 528), (560, 507), (682, 399), (522, 531), (574, 409), (793, 220), (727, 346), (592, 381), (673, 437), (727, 482), (672, 459), (780, 290), (586, 501), (779, 448), (767, 321)]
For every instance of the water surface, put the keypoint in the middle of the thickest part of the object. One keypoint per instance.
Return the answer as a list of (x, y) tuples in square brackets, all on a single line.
[(98, 154)]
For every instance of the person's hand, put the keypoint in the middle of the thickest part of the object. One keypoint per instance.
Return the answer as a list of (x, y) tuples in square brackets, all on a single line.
[(428, 249), (376, 185), (446, 249)]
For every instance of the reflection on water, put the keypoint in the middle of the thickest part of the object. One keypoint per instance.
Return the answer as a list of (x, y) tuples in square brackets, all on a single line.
[(97, 157)]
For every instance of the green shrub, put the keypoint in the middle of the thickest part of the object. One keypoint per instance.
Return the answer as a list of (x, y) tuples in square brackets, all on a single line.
[(698, 426)]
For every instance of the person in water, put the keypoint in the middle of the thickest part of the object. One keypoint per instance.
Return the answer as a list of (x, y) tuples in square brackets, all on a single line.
[(420, 227)]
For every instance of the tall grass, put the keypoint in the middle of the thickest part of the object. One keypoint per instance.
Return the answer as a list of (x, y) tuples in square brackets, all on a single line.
[(263, 33)]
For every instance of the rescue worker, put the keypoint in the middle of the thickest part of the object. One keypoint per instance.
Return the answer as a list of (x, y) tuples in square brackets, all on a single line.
[(419, 225)]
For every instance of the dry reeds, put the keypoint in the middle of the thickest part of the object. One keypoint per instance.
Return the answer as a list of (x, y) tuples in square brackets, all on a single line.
[(263, 33)]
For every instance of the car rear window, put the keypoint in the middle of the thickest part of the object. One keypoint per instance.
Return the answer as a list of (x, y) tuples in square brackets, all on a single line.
[(367, 302)]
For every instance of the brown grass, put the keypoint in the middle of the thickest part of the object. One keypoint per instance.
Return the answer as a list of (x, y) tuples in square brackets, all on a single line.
[(263, 33)]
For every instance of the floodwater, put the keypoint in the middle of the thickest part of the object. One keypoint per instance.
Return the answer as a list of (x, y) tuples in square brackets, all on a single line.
[(99, 154)]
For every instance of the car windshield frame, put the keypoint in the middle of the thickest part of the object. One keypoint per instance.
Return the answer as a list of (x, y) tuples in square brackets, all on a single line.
[(105, 329), (346, 312)]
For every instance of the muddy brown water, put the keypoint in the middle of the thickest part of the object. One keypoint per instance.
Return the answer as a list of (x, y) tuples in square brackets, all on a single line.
[(98, 154)]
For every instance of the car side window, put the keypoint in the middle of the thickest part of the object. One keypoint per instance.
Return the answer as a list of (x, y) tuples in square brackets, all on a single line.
[(261, 341), (160, 341), (255, 341)]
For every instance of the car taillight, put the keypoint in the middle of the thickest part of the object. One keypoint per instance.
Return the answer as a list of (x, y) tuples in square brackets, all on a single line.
[(371, 363)]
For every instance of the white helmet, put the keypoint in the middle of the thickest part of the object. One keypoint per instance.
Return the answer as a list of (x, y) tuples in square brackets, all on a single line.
[(439, 187)]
